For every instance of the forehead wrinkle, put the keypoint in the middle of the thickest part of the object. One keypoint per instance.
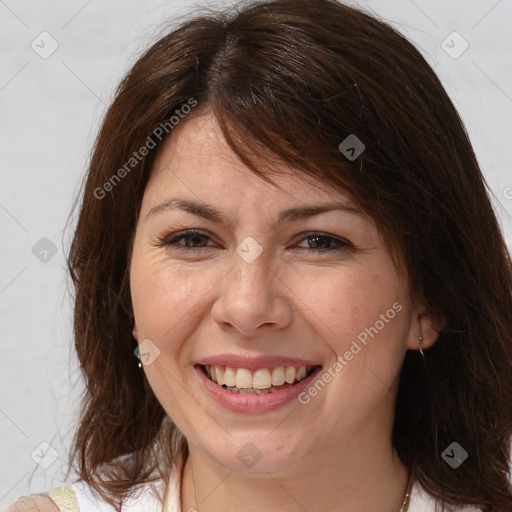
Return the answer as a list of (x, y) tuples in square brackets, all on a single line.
[(218, 216)]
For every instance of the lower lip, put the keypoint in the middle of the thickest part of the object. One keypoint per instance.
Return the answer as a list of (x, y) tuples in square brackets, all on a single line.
[(254, 403)]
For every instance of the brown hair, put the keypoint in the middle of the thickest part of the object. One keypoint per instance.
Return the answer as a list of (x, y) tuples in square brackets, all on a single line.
[(297, 78)]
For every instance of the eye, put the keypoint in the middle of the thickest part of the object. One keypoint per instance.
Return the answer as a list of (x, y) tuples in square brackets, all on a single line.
[(193, 239), (321, 243), (196, 241)]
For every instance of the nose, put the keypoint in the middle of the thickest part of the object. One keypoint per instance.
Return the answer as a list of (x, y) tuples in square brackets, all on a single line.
[(253, 298)]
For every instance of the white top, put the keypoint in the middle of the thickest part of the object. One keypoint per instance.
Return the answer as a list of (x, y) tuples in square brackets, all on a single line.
[(78, 497)]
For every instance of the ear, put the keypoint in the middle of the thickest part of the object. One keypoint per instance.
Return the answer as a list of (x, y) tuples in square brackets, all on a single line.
[(135, 332), (425, 324)]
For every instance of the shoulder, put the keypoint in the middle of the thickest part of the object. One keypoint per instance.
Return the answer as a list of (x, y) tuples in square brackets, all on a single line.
[(33, 503), (80, 497), (62, 499)]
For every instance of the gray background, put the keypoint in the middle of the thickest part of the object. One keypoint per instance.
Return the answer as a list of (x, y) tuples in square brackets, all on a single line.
[(50, 110)]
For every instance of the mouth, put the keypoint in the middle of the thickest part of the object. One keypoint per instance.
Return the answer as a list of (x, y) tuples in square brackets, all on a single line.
[(259, 381)]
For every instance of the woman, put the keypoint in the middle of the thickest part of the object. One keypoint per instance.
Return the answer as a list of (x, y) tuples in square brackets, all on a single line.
[(285, 219)]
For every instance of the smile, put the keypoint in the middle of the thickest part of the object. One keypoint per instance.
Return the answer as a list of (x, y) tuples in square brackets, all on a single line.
[(260, 381)]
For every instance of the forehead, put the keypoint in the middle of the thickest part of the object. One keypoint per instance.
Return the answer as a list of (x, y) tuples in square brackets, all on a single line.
[(197, 158)]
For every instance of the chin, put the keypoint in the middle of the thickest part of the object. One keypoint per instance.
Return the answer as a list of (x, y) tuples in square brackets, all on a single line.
[(253, 454)]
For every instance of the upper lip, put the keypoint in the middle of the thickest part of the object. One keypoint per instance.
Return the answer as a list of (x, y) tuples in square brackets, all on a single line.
[(254, 363)]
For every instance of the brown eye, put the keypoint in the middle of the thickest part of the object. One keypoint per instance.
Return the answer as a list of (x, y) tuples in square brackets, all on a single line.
[(319, 242), (194, 240)]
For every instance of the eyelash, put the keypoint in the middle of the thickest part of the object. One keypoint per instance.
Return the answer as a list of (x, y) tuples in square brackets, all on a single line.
[(173, 242)]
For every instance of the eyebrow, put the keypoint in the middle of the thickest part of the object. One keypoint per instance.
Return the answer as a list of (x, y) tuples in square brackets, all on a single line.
[(210, 213)]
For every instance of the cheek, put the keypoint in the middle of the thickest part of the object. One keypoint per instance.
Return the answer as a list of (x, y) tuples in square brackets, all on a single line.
[(164, 296), (359, 304), (165, 301), (364, 318)]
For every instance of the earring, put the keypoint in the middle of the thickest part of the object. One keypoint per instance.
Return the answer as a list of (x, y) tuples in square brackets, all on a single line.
[(135, 344), (420, 339)]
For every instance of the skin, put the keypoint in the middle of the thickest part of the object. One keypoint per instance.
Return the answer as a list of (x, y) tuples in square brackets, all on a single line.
[(335, 452), (33, 503)]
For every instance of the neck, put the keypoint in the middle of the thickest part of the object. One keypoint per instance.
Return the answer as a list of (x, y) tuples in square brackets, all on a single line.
[(357, 476)]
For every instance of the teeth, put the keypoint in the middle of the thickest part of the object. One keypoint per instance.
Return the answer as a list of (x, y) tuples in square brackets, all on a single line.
[(278, 376), (301, 373), (243, 378), (257, 381), (230, 377), (289, 374), (219, 377), (261, 379)]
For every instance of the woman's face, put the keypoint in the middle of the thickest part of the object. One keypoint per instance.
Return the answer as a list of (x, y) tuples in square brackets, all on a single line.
[(268, 283)]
